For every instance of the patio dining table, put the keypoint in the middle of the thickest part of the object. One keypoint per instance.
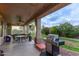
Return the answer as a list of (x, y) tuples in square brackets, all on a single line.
[(20, 37)]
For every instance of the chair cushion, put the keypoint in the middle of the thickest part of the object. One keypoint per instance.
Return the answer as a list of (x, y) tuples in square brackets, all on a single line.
[(40, 46)]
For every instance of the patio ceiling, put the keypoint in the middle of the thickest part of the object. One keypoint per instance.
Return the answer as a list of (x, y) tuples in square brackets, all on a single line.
[(26, 12)]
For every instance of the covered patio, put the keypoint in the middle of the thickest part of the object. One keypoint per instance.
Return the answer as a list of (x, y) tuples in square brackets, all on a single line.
[(21, 15)]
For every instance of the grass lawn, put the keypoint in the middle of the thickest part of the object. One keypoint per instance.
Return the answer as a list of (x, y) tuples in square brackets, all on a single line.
[(43, 36), (75, 41), (70, 48), (70, 39)]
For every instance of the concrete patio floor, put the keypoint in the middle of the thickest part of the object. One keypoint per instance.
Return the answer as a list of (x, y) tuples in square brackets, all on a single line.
[(21, 49)]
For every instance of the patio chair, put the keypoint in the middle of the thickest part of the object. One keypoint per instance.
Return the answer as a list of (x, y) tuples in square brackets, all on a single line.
[(40, 45), (7, 39)]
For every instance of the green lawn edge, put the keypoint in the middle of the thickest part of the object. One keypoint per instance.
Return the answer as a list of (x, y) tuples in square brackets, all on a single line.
[(70, 48)]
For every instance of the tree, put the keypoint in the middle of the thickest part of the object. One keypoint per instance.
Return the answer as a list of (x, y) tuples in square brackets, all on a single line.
[(65, 29), (45, 30), (54, 30)]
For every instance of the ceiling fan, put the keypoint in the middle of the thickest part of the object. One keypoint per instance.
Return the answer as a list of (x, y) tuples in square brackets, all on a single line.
[(19, 19)]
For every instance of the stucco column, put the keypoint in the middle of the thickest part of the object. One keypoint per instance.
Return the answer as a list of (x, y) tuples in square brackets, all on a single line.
[(4, 29), (38, 29), (24, 32), (4, 33), (9, 29), (27, 29)]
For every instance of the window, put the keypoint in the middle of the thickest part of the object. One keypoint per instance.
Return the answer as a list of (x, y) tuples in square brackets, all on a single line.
[(17, 30)]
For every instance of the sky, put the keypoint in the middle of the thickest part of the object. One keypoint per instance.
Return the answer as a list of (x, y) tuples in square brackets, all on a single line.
[(70, 14)]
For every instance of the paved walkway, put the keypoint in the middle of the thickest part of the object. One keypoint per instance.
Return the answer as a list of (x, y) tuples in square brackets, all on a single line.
[(21, 49)]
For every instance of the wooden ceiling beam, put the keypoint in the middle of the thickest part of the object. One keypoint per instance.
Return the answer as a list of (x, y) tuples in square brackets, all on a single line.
[(45, 8)]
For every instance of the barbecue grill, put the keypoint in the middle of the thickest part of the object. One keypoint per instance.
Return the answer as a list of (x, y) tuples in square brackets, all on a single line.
[(52, 44)]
